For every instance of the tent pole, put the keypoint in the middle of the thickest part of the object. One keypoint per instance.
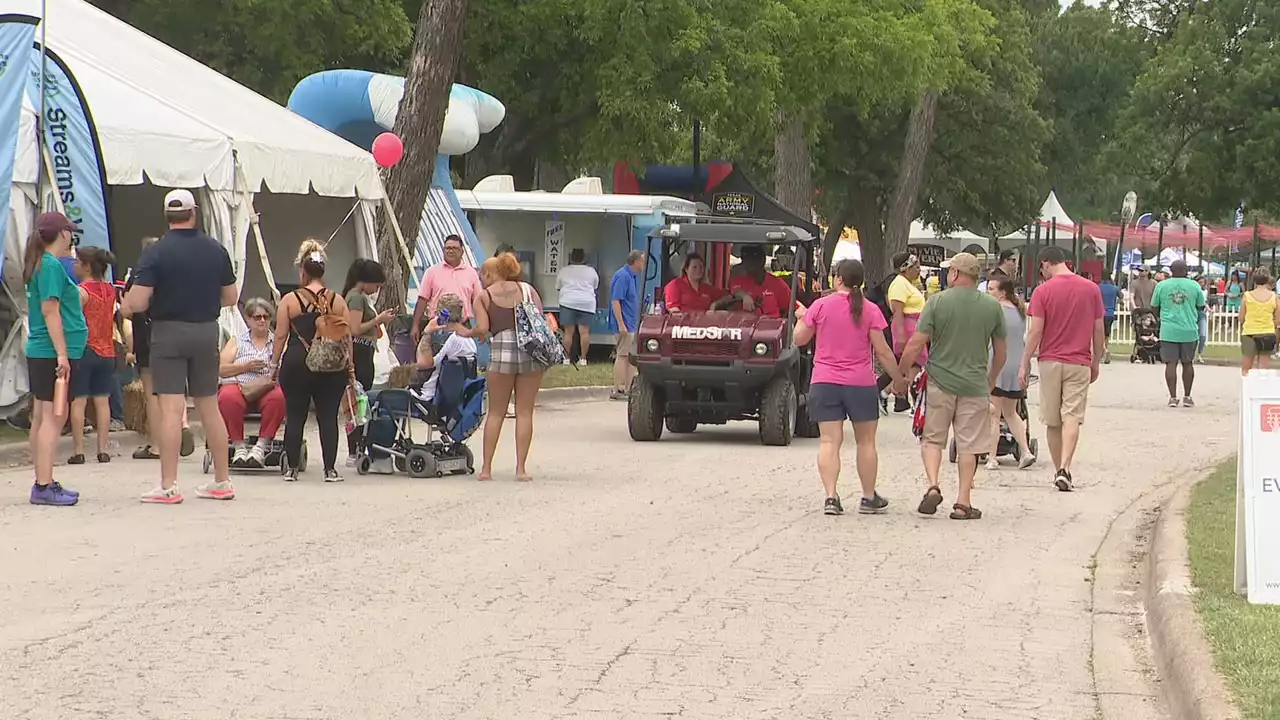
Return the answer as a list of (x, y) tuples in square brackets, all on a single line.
[(41, 170), (395, 227), (262, 250), (47, 165)]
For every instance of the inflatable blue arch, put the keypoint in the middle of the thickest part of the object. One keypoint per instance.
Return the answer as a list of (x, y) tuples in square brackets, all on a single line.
[(358, 105)]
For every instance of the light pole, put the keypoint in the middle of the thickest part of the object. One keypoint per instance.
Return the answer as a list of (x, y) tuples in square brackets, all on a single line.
[(1127, 211)]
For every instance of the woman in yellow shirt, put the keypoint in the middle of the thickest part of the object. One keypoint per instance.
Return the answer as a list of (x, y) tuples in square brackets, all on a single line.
[(906, 301), (1258, 323)]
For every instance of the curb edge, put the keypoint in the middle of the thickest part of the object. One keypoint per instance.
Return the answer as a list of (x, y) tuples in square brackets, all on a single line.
[(1192, 688)]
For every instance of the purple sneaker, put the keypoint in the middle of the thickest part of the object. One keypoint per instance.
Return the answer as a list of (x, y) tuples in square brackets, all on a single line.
[(57, 486), (52, 494)]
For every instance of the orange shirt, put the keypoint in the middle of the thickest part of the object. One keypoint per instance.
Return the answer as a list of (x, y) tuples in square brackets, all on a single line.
[(772, 297), (99, 315), (679, 294)]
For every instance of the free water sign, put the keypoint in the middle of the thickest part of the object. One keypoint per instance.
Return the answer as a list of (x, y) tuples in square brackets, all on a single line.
[(1258, 489), (554, 247)]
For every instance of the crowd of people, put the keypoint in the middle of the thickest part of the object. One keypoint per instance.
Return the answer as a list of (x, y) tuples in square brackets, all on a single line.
[(315, 348)]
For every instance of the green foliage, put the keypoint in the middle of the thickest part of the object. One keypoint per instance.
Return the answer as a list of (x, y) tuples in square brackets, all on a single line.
[(1202, 124), (1090, 61), (269, 45)]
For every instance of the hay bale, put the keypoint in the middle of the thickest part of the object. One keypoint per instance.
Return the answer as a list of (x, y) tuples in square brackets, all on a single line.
[(135, 407)]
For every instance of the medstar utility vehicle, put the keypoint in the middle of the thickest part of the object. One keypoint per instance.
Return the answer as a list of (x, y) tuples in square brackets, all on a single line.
[(710, 367)]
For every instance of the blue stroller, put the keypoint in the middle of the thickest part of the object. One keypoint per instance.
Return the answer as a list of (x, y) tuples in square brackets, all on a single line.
[(452, 416)]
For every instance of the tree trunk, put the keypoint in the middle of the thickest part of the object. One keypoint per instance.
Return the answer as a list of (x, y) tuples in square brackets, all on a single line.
[(906, 192), (793, 168), (866, 215), (437, 45)]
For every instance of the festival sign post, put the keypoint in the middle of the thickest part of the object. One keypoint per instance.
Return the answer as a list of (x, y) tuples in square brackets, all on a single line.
[(1258, 489)]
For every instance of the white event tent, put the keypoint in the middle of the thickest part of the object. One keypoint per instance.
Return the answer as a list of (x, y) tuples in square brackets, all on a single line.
[(165, 120), (1052, 215), (959, 241)]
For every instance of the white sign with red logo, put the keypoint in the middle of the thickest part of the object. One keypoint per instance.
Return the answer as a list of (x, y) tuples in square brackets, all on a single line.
[(1258, 489)]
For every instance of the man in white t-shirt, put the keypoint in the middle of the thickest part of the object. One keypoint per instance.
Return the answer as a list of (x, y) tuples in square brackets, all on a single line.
[(577, 285), (455, 346)]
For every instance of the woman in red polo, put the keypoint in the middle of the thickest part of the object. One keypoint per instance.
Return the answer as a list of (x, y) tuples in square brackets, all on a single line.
[(688, 293)]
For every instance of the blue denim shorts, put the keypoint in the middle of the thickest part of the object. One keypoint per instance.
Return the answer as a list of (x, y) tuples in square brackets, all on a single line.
[(92, 375), (829, 402), (570, 317)]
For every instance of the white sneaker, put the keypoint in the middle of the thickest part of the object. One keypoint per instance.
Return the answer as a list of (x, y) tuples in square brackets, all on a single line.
[(993, 464), (216, 491), (565, 362), (352, 460), (582, 362), (256, 457), (1026, 461), (161, 496), (240, 457)]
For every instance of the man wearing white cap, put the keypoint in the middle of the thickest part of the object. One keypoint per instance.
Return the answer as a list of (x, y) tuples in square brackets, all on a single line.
[(183, 281), (966, 335)]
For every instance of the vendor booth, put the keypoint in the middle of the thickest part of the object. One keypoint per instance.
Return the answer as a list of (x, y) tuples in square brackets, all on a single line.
[(545, 227), (129, 118)]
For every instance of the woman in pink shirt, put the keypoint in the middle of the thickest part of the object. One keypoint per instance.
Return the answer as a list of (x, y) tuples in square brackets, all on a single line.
[(849, 329)]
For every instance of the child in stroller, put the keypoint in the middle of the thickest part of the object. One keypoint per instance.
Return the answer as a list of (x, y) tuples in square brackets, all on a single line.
[(1146, 336)]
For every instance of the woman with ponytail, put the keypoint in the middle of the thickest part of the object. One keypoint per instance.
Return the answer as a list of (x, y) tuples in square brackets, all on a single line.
[(56, 338), (1009, 391), (849, 329), (310, 316)]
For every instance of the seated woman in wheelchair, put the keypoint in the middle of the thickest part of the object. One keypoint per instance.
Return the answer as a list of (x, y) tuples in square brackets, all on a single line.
[(245, 367), (456, 345)]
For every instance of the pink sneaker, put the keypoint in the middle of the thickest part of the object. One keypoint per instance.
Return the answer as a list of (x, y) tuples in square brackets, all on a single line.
[(216, 491)]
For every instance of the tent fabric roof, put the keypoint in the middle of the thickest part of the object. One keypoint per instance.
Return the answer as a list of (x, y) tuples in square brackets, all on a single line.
[(162, 113)]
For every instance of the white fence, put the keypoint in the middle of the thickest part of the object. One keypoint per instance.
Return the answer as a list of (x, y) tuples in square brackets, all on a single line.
[(1224, 327)]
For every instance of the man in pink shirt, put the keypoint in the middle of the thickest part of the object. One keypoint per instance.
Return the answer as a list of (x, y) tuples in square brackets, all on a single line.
[(450, 276), (1066, 328)]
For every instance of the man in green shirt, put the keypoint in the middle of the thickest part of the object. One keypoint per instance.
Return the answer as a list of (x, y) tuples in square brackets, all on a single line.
[(1179, 300), (960, 325)]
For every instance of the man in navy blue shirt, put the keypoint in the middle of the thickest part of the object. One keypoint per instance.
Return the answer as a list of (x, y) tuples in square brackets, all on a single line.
[(624, 318), (1110, 295)]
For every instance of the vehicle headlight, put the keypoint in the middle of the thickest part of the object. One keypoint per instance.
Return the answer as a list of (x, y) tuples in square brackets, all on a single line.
[(761, 349), (651, 345)]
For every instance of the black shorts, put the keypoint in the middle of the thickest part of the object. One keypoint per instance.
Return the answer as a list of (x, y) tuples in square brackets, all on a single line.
[(1010, 394), (829, 402), (1107, 322), (92, 375), (1171, 352), (42, 375)]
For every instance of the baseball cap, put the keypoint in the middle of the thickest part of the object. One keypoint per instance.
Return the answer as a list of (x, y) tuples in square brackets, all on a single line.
[(1008, 255), (964, 263), (179, 199), (52, 223)]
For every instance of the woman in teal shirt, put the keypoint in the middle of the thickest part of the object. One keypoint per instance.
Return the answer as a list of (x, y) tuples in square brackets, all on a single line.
[(56, 337), (1235, 291)]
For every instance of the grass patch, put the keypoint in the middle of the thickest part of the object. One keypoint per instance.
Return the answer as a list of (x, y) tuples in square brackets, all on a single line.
[(1245, 638), (1214, 352), (593, 375)]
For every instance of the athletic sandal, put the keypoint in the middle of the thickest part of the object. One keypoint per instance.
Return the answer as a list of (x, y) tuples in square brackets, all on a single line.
[(931, 500), (104, 458), (77, 459), (965, 512)]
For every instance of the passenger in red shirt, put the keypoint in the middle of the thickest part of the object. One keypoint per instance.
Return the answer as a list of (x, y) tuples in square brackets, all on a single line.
[(94, 374), (688, 293), (1066, 331), (758, 290)]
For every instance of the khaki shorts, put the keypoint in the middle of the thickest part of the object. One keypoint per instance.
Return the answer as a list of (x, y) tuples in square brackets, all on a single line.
[(1064, 392), (626, 343), (970, 417)]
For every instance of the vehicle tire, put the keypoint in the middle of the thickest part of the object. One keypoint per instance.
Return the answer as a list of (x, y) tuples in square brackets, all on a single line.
[(681, 425), (208, 462), (471, 461), (805, 428), (644, 412), (1034, 446), (953, 453), (363, 465), (1016, 451), (778, 412), (420, 463)]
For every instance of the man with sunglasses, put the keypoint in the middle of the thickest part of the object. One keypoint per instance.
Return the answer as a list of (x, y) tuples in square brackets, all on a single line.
[(1066, 330), (451, 275)]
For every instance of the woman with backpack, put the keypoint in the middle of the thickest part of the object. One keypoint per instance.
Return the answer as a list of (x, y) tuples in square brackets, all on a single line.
[(512, 370), (317, 366)]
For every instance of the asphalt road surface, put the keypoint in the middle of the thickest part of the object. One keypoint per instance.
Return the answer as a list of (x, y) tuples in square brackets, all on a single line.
[(695, 577)]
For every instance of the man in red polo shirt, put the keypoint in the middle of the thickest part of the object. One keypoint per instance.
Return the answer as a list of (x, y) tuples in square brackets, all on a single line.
[(758, 290)]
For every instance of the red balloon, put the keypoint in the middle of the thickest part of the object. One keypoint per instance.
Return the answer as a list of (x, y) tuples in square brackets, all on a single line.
[(387, 149)]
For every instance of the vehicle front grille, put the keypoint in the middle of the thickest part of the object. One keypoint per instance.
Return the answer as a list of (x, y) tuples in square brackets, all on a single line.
[(694, 348)]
